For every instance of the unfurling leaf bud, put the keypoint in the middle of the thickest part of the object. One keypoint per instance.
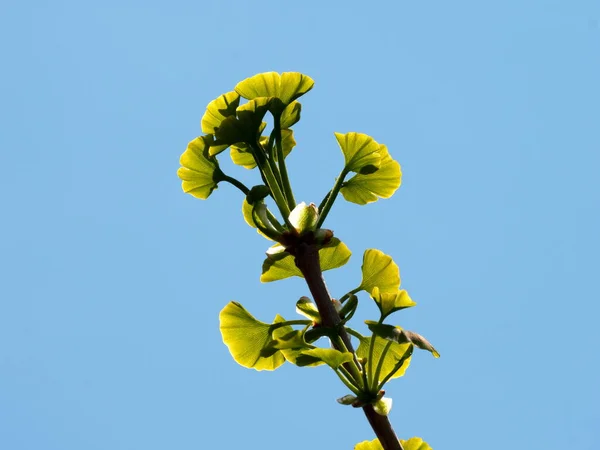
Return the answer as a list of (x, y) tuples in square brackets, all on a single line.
[(257, 193), (346, 400), (304, 218)]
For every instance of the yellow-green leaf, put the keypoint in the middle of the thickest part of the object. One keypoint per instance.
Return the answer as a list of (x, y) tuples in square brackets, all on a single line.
[(246, 338), (410, 444), (282, 265), (330, 356), (360, 151), (308, 309), (379, 270), (389, 302), (382, 183), (290, 115), (217, 110), (197, 170), (287, 87), (246, 126), (394, 354)]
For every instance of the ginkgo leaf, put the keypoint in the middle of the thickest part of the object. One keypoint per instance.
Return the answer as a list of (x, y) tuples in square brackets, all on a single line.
[(246, 337), (245, 126), (199, 172), (308, 309), (360, 151), (330, 356), (287, 87), (218, 110), (290, 115), (395, 353), (282, 265), (397, 334), (389, 302), (410, 444), (379, 270), (382, 183)]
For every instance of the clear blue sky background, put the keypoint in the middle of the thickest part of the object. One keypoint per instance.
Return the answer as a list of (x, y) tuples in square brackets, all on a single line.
[(112, 279)]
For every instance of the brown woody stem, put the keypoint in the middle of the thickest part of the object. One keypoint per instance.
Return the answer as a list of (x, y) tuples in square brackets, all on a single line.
[(307, 260)]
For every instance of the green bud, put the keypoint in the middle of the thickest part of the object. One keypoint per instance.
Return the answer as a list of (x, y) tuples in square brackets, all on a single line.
[(257, 193), (304, 218)]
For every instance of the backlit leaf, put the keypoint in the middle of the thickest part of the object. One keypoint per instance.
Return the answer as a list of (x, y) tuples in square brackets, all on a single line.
[(217, 110), (308, 309), (379, 270), (199, 170), (389, 302), (382, 183), (287, 87), (332, 357), (410, 444), (290, 115), (394, 355), (282, 265), (359, 151), (246, 338)]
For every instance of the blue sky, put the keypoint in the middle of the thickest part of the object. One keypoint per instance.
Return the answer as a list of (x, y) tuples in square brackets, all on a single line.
[(112, 279)]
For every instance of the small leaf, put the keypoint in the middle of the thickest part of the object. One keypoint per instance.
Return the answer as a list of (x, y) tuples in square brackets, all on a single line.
[(246, 126), (415, 443), (282, 265), (359, 151), (393, 356), (332, 357), (287, 87), (411, 444), (217, 110), (389, 302), (383, 406), (246, 338), (379, 270), (199, 170), (397, 334), (290, 115), (308, 309), (367, 187)]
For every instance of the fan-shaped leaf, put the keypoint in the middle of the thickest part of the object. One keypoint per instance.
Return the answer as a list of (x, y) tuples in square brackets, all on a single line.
[(290, 115), (393, 356), (282, 265), (360, 151), (199, 172), (287, 87), (246, 126), (332, 357), (217, 110), (410, 444), (379, 270), (246, 338), (389, 302), (365, 188)]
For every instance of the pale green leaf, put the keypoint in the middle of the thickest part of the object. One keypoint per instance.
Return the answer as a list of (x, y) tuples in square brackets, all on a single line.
[(282, 265), (308, 309), (393, 356), (359, 151), (389, 302), (246, 338), (330, 356), (382, 183), (290, 115), (198, 170), (379, 270), (218, 109)]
